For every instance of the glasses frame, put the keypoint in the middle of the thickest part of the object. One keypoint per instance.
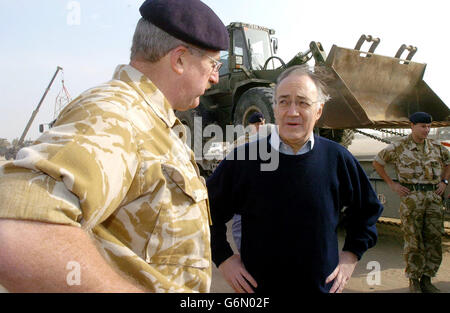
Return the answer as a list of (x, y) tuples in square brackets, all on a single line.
[(303, 104), (216, 64)]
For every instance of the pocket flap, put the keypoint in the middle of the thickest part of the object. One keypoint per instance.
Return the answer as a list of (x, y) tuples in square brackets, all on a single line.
[(193, 187)]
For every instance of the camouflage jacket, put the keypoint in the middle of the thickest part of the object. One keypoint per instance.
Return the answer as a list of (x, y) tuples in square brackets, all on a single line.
[(116, 164), (414, 166)]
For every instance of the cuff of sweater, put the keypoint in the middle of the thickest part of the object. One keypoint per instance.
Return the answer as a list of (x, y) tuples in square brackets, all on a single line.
[(358, 248), (220, 255)]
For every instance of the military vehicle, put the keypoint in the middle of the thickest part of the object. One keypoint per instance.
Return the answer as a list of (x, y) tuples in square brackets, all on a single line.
[(367, 90)]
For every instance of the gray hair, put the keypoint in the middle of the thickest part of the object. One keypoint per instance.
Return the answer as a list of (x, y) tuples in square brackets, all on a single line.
[(317, 76), (152, 42)]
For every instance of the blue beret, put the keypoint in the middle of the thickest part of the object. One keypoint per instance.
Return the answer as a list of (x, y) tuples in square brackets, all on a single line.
[(256, 118), (191, 21), (420, 117)]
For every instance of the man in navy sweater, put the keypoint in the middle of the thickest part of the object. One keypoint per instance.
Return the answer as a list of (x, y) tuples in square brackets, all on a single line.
[(290, 214)]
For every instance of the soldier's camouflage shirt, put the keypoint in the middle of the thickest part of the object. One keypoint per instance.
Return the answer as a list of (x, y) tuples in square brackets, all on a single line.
[(116, 164), (414, 166)]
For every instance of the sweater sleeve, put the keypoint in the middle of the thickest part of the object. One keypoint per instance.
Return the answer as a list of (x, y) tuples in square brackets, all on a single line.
[(219, 186), (363, 208)]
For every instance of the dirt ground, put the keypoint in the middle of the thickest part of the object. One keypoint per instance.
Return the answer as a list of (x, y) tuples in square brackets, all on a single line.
[(387, 252)]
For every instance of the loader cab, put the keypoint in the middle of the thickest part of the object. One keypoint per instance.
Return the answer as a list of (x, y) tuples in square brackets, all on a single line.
[(251, 47), (259, 48)]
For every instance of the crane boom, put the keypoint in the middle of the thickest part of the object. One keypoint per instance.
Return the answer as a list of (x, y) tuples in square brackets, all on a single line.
[(38, 106)]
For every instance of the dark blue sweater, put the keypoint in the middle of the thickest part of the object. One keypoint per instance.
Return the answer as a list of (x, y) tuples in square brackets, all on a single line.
[(290, 215)]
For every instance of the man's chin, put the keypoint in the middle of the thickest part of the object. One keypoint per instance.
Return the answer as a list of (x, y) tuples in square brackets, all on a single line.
[(189, 106), (195, 103)]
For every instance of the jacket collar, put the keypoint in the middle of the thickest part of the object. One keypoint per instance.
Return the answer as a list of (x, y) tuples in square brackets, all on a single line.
[(148, 91), (412, 145)]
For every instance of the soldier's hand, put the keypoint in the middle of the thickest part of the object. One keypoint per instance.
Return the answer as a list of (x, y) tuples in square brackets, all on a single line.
[(441, 189), (399, 189), (234, 272)]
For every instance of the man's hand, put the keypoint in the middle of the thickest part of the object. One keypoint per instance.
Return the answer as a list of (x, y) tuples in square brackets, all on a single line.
[(399, 189), (441, 189), (236, 275), (396, 187), (343, 272)]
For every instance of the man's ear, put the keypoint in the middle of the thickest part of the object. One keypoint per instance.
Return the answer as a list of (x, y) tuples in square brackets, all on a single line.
[(178, 59), (319, 111)]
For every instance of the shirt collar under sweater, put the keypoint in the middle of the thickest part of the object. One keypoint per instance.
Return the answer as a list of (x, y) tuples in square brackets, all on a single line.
[(277, 143)]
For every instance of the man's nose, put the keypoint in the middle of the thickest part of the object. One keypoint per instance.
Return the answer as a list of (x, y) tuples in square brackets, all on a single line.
[(214, 77), (293, 110)]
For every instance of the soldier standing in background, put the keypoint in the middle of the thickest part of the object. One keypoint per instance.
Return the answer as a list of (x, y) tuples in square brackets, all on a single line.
[(254, 122), (257, 119), (423, 172), (115, 173)]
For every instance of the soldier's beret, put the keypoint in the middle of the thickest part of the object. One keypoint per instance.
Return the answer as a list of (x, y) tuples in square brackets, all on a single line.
[(256, 118), (420, 117), (191, 21)]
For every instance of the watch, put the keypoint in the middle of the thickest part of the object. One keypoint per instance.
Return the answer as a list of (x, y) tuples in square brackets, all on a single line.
[(445, 181)]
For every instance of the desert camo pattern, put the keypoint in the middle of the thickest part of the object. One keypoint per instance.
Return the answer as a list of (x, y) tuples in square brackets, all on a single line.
[(116, 164), (414, 166), (422, 249), (421, 212)]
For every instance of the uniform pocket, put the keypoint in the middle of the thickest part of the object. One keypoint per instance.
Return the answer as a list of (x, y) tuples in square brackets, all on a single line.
[(435, 169), (409, 169), (193, 187), (438, 217), (181, 233)]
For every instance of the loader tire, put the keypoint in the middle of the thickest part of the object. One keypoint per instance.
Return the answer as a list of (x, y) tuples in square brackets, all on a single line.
[(257, 99), (341, 136)]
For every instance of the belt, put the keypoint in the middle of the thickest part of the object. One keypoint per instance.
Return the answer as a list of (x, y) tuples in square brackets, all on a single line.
[(420, 187)]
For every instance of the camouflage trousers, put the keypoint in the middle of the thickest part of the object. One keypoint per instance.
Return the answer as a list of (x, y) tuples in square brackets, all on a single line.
[(422, 217)]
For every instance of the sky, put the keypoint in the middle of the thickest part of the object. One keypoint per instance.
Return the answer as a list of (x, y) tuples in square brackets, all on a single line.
[(88, 38)]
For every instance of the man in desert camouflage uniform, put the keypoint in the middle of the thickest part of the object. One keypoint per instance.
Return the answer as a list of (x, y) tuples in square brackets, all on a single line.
[(115, 168), (422, 169)]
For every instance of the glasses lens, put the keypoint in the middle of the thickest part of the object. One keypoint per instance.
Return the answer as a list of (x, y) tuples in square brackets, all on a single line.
[(217, 66)]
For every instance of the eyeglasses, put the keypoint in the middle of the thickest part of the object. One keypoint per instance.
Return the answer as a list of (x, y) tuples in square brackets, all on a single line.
[(299, 103), (216, 65)]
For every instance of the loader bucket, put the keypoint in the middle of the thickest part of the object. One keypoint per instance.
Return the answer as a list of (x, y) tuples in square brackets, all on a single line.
[(375, 91)]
